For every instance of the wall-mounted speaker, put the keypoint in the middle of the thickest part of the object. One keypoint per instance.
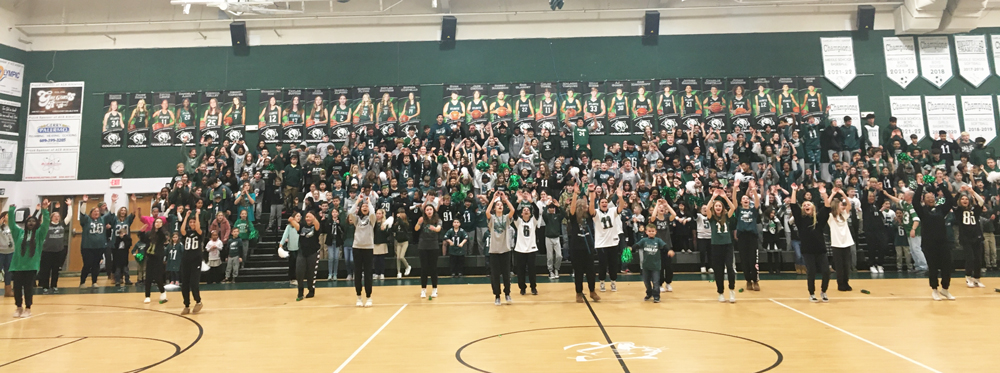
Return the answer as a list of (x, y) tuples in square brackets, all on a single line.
[(448, 26), (651, 28), (866, 17), (238, 30)]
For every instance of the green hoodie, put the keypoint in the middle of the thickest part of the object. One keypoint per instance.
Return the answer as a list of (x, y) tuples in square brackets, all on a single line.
[(24, 259)]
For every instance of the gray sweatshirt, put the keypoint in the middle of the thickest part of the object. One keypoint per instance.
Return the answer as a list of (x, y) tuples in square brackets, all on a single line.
[(6, 241), (364, 233), (58, 237)]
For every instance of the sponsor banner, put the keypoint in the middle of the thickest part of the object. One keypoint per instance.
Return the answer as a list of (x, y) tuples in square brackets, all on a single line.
[(408, 110), (234, 120), (164, 119), (51, 163), (838, 60), (186, 116), (595, 112), (935, 59), (690, 103), (52, 131), (909, 113), (8, 157), (55, 98), (269, 119), (341, 115), (546, 105), (293, 117), (616, 101), (973, 65), (11, 77), (845, 106), (10, 114), (765, 110), (942, 115), (668, 109), (900, 59), (977, 113), (641, 105), (715, 105), (138, 120)]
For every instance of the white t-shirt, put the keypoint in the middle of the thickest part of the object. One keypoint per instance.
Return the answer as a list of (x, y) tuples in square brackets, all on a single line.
[(525, 231), (840, 232), (606, 227), (704, 228)]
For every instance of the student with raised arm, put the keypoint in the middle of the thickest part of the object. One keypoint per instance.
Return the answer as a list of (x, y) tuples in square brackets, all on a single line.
[(810, 219), (191, 261), (308, 258), (27, 255), (525, 246), (580, 247), (840, 236), (664, 215), (911, 225), (429, 226), (93, 240), (970, 234), (607, 224), (936, 247), (362, 216), (499, 247), (746, 232), (54, 250), (722, 222)]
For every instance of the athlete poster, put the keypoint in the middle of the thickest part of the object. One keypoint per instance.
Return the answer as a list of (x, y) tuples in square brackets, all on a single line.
[(364, 110), (546, 108), (641, 104), (786, 100), (690, 104), (292, 117), (113, 120), (594, 110), (454, 105), (570, 107), (340, 115), (138, 121), (617, 103), (477, 106), (740, 104), (501, 108), (234, 122), (811, 100), (269, 119), (764, 108), (524, 108), (408, 109), (186, 117), (317, 114), (386, 117), (210, 115), (163, 119), (667, 110), (715, 105)]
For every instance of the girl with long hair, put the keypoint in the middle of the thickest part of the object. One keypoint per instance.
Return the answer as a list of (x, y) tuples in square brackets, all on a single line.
[(722, 223), (809, 220), (401, 231), (607, 227), (362, 216), (55, 249), (308, 258), (840, 236), (191, 261), (27, 256), (429, 226), (499, 249), (970, 233), (158, 238)]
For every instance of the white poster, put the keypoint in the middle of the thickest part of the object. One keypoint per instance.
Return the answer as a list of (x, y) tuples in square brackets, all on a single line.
[(11, 77), (838, 60), (53, 131), (841, 106), (900, 59), (909, 113), (970, 51), (935, 59), (8, 157), (995, 41), (977, 113), (51, 163), (942, 115)]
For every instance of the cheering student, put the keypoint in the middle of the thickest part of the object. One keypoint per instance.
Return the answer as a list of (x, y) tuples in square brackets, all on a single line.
[(580, 244), (27, 256), (840, 235), (362, 216), (401, 232), (93, 240), (191, 261), (429, 226), (652, 248), (308, 258), (746, 232), (810, 219), (499, 246), (54, 250), (664, 214), (607, 226), (159, 238), (525, 249), (935, 245), (722, 242), (970, 234)]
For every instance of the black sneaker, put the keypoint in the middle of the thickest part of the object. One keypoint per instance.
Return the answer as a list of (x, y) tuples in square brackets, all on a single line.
[(534, 291), (656, 300), (647, 298), (522, 291)]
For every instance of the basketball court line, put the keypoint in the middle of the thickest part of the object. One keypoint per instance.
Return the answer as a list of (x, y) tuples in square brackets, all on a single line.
[(21, 318), (43, 351), (857, 337), (607, 337), (363, 345)]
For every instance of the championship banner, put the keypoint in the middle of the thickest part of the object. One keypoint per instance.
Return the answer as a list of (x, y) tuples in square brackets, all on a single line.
[(935, 59), (341, 116), (524, 110), (210, 115), (740, 105), (387, 118), (617, 103), (138, 120), (163, 119), (942, 115), (454, 105), (234, 123), (977, 113), (8, 157), (546, 108), (570, 106), (293, 117), (11, 77), (970, 51), (10, 114), (641, 102), (787, 103), (900, 59), (845, 106), (269, 119), (811, 100), (501, 107), (594, 110), (667, 110), (185, 128), (714, 104), (909, 113), (691, 110), (317, 114), (995, 43), (765, 111), (838, 60), (408, 110), (476, 106), (364, 110)]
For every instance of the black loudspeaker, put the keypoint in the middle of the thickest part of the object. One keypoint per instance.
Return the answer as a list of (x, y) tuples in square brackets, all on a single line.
[(651, 27), (448, 25), (238, 30), (866, 17)]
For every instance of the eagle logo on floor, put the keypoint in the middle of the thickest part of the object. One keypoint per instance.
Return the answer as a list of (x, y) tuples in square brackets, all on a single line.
[(596, 351)]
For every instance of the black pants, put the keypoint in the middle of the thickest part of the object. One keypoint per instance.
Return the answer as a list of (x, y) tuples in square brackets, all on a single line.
[(363, 265), (500, 270), (457, 264), (24, 285), (666, 269), (91, 264), (876, 249), (938, 256), (524, 267), (292, 257), (609, 262), (379, 264), (842, 264), (973, 258), (155, 272), (48, 275), (120, 259), (722, 260), (428, 267), (705, 252), (746, 243), (817, 263), (191, 277), (583, 265), (305, 272), (109, 261)]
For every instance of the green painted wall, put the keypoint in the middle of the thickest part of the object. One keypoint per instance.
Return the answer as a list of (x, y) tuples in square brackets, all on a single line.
[(335, 65)]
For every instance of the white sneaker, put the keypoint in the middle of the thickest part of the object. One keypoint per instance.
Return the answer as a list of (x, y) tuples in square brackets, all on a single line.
[(197, 308), (399, 275), (969, 283), (602, 285), (497, 301), (407, 273), (350, 277), (880, 269), (722, 298), (979, 284), (163, 298), (26, 314), (146, 301), (423, 293), (823, 297), (670, 288), (368, 303), (946, 294), (935, 294), (613, 286), (663, 289), (711, 270), (293, 283), (872, 269), (329, 278), (381, 277), (703, 270), (434, 293), (358, 303), (732, 296), (509, 301), (18, 312), (812, 298)]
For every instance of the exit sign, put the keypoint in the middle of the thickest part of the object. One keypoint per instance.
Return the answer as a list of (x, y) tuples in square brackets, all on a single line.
[(116, 182)]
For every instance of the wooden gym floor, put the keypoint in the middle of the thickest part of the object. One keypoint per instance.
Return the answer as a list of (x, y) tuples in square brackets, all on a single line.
[(895, 328)]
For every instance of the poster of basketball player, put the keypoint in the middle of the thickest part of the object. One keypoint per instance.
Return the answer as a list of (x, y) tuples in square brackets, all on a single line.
[(546, 108), (691, 110), (210, 115), (317, 114), (570, 108), (363, 117), (594, 110), (617, 101), (113, 122), (163, 119), (234, 121), (269, 120), (740, 113), (641, 102), (476, 107), (811, 102), (667, 111), (408, 109), (385, 109), (764, 109), (788, 104), (454, 106), (501, 110), (341, 115), (186, 119), (524, 107), (714, 104), (293, 117), (138, 120)]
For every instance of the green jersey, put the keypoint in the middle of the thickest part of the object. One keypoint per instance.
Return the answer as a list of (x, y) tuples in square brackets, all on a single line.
[(454, 107), (481, 106), (593, 106), (115, 121), (619, 105), (722, 230), (140, 119), (272, 116), (211, 119), (365, 114), (690, 104), (909, 216), (523, 109), (163, 117), (581, 136), (318, 114), (341, 114), (410, 109), (666, 104), (740, 103), (787, 103), (642, 104), (763, 104), (651, 251), (185, 118), (294, 117), (237, 115), (812, 102), (571, 104), (456, 236)]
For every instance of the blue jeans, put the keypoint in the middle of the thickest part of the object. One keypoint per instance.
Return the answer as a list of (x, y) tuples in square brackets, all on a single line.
[(651, 279), (797, 246), (5, 266), (333, 258), (333, 254)]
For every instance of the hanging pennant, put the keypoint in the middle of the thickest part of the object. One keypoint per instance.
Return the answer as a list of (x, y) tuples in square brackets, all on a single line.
[(909, 113), (838, 60), (942, 114), (935, 59), (900, 59), (977, 113), (970, 51)]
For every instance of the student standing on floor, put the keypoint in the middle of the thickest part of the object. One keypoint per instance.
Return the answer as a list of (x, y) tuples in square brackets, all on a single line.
[(580, 247), (661, 221), (191, 261), (159, 238), (607, 221), (840, 235), (290, 244), (935, 245), (382, 237), (525, 249), (429, 226), (809, 220), (499, 248), (872, 202), (308, 258), (704, 240), (722, 222), (652, 247), (970, 234), (93, 241), (362, 216), (54, 250), (6, 254), (401, 231), (27, 256), (747, 239), (553, 218)]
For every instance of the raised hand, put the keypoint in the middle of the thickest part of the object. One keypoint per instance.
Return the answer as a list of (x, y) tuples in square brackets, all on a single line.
[(69, 201), (45, 203), (85, 198)]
